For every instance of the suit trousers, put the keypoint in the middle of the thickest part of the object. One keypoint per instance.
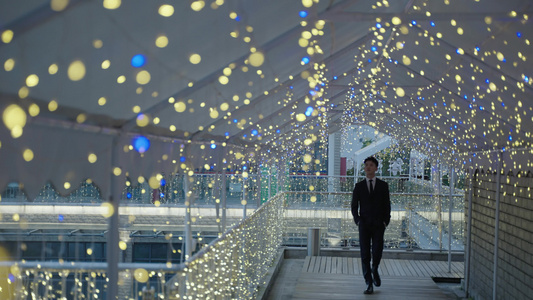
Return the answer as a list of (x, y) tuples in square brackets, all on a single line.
[(370, 237)]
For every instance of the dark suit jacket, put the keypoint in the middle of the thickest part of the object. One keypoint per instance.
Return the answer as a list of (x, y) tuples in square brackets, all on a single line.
[(371, 209)]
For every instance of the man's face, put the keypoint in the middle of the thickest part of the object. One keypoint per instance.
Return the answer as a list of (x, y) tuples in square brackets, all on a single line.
[(370, 169)]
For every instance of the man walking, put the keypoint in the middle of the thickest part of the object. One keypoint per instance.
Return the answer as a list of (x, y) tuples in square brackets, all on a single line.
[(371, 213)]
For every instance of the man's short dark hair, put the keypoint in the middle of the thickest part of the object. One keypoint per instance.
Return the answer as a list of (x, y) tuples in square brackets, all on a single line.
[(372, 159)]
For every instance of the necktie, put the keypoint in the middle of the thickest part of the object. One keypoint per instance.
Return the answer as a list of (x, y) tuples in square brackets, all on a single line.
[(371, 187)]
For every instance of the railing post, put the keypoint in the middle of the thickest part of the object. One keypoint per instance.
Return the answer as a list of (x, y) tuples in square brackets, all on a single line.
[(469, 231), (450, 229), (223, 200), (497, 225)]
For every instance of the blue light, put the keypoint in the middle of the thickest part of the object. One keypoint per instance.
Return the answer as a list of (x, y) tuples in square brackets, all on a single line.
[(303, 13), (309, 111), (238, 18), (182, 159), (510, 138), (413, 22), (254, 132), (477, 48), (138, 61), (60, 218), (458, 51), (277, 131), (128, 195), (487, 80), (226, 133), (369, 60), (374, 48), (312, 92), (432, 24), (161, 195), (334, 77), (378, 25), (11, 277), (526, 78), (163, 182), (519, 34), (235, 121), (305, 60), (213, 146), (141, 144)]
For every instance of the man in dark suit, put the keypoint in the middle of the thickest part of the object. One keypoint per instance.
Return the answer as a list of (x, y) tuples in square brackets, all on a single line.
[(371, 213)]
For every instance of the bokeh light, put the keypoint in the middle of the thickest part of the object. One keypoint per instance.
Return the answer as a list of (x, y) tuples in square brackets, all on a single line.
[(141, 144)]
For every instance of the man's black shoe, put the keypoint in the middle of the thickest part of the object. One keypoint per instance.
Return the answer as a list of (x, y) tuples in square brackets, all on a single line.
[(377, 279), (369, 290)]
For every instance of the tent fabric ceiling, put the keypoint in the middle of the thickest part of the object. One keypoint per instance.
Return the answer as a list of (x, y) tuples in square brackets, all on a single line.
[(446, 77)]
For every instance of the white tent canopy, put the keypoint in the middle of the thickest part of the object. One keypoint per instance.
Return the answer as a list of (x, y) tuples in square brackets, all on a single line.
[(449, 78)]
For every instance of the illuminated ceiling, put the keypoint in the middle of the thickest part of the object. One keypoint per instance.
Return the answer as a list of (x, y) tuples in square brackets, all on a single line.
[(446, 77)]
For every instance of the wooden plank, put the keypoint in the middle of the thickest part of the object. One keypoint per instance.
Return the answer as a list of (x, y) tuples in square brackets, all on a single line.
[(328, 264), (349, 265), (305, 267), (384, 267), (345, 265), (314, 286), (416, 267), (323, 265)]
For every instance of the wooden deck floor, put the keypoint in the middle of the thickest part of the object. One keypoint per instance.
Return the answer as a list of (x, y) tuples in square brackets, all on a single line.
[(339, 278), (388, 267)]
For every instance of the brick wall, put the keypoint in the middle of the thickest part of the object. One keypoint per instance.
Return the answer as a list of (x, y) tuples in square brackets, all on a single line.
[(515, 251)]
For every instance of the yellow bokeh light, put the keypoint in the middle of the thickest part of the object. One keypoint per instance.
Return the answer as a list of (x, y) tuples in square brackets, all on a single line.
[(256, 59), (58, 5), (24, 92), (396, 21), (227, 71), (122, 245), (195, 58), (223, 80), (400, 92), (9, 64), (154, 183), (98, 44), (166, 10), (107, 209), (143, 77), (14, 116), (52, 69), (141, 275), (34, 110), (53, 105), (89, 251), (32, 80), (102, 101), (76, 70), (27, 155), (224, 106), (92, 158), (112, 4), (161, 41), (300, 117), (406, 60), (244, 202), (307, 3), (7, 36), (136, 109), (307, 158), (117, 171), (81, 118), (106, 64), (313, 199), (213, 114), (66, 185), (142, 120), (197, 5), (16, 217), (180, 106), (121, 79)]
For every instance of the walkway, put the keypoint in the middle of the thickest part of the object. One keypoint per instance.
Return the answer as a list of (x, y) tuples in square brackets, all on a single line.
[(337, 278)]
